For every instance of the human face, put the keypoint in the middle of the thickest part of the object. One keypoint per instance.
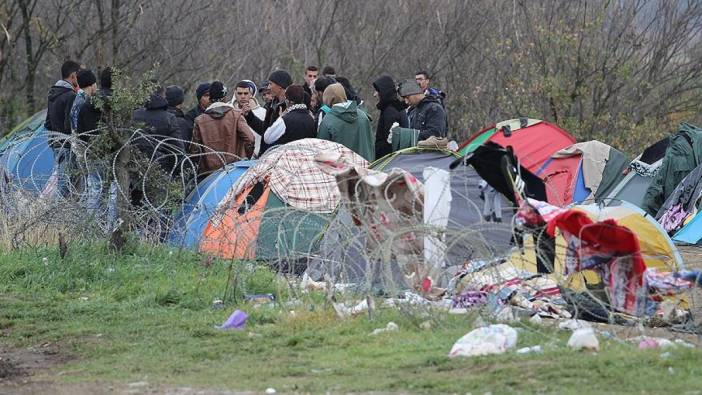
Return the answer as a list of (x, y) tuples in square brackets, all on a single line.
[(376, 95), (277, 90), (243, 95), (310, 76), (73, 79), (267, 96), (205, 100), (422, 80), (413, 100)]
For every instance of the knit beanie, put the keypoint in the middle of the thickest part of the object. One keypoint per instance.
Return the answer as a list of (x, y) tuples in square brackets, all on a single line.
[(334, 94), (86, 78), (250, 85), (174, 95), (202, 89), (295, 94), (281, 78), (217, 91)]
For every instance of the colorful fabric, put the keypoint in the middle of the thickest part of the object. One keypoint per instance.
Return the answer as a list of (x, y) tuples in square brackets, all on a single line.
[(606, 247), (293, 174), (673, 219)]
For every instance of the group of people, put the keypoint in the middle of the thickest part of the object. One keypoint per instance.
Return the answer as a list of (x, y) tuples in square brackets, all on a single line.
[(221, 129)]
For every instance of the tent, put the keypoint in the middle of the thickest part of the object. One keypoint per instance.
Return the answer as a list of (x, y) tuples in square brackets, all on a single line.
[(468, 236), (582, 171), (26, 159), (639, 175), (278, 209), (199, 206), (657, 249), (533, 140)]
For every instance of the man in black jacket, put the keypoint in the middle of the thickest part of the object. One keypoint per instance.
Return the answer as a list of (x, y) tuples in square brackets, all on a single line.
[(60, 99), (296, 123), (91, 113), (391, 111), (203, 101), (279, 81), (426, 113), (175, 98), (163, 141)]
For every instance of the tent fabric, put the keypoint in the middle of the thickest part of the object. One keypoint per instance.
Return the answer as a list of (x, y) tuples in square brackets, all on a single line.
[(293, 175), (682, 203), (561, 176), (472, 143), (26, 158), (202, 202), (613, 173), (691, 233), (594, 156), (682, 156)]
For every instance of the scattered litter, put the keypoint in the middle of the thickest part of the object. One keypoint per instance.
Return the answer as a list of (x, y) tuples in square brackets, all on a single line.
[(574, 325), (493, 339), (344, 312), (458, 311), (426, 325), (683, 343), (310, 285), (217, 304), (665, 355), (584, 339), (235, 321), (646, 342), (259, 299), (84, 298), (391, 327), (505, 315), (530, 350), (45, 260), (270, 391), (670, 370)]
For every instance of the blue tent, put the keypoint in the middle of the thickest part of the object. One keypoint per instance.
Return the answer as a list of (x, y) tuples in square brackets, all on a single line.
[(202, 202), (26, 158)]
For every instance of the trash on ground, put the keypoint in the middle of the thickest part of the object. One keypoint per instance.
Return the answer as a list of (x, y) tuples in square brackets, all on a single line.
[(530, 350), (235, 321), (584, 339), (492, 339), (573, 325), (390, 327)]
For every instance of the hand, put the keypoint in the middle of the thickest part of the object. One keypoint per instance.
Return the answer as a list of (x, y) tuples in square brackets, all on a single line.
[(392, 127), (246, 108)]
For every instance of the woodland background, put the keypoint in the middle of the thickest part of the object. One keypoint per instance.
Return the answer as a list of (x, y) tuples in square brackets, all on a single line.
[(625, 72)]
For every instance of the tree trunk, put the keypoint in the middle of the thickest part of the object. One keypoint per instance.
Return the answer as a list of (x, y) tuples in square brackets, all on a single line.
[(114, 21), (118, 237), (29, 53)]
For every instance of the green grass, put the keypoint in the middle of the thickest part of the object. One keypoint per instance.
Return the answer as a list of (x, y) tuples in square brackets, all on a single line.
[(149, 314)]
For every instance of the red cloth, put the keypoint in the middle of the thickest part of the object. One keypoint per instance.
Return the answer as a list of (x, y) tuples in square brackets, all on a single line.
[(611, 249)]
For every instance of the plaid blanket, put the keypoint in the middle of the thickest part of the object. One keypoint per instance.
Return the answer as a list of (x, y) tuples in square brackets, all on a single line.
[(293, 174)]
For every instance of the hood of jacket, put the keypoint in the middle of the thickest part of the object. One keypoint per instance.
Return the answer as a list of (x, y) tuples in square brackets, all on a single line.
[(347, 111), (218, 109), (156, 102), (387, 94), (59, 88), (429, 99), (334, 94), (176, 111)]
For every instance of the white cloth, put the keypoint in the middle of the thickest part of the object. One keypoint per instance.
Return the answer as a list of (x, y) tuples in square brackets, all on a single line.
[(437, 206), (274, 132)]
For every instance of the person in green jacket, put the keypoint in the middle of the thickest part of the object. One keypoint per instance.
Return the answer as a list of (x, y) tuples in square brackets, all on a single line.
[(346, 124)]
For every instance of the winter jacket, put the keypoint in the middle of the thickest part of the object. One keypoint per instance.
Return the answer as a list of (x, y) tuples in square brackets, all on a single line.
[(682, 156), (296, 124), (185, 127), (391, 111), (61, 97), (194, 113), (90, 115), (225, 134), (429, 118), (81, 97), (348, 125), (160, 126)]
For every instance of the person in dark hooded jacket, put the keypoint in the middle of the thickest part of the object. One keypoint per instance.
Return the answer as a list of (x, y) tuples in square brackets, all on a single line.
[(60, 99), (175, 98), (91, 113), (162, 129), (391, 111)]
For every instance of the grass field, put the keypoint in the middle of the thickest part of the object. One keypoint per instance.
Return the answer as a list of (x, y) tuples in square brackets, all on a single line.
[(148, 316)]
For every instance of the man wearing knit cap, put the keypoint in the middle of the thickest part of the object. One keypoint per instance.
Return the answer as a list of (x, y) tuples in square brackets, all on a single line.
[(175, 98), (203, 100), (221, 135), (296, 123), (279, 81), (87, 82)]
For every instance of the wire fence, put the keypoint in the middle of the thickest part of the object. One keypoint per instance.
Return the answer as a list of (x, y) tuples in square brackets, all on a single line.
[(313, 212)]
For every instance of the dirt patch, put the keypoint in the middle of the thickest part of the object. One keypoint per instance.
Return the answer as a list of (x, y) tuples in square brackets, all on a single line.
[(9, 370)]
